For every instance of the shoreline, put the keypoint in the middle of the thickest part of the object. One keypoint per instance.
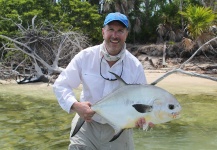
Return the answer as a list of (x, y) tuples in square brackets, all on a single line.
[(178, 83), (175, 83)]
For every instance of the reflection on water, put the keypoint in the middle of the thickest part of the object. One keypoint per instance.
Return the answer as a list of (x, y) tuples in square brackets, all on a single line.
[(28, 123)]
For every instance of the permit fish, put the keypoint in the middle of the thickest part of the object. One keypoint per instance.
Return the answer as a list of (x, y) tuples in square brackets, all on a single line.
[(129, 102)]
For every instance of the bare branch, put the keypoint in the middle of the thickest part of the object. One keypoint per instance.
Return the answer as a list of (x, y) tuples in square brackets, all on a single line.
[(180, 70), (46, 47), (184, 72), (33, 22), (197, 52)]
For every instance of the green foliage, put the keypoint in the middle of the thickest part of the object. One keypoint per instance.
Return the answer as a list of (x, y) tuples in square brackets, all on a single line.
[(81, 15), (198, 18)]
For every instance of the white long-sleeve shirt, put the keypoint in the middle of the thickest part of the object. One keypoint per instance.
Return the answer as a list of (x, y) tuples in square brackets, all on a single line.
[(84, 69)]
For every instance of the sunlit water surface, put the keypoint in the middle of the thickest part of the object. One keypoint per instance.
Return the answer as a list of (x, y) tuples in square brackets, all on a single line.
[(27, 123)]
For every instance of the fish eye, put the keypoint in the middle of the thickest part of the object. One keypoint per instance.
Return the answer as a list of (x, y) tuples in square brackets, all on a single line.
[(171, 106)]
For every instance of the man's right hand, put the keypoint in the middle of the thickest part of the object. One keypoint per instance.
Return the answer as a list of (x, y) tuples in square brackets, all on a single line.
[(84, 111)]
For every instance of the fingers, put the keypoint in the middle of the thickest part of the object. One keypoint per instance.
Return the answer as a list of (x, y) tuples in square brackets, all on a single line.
[(141, 123), (88, 115), (84, 110), (151, 124), (88, 103)]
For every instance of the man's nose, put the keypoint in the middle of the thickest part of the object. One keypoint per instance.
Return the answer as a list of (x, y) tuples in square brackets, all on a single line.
[(115, 34)]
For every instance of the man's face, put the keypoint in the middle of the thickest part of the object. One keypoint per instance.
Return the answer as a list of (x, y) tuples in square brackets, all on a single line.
[(114, 34)]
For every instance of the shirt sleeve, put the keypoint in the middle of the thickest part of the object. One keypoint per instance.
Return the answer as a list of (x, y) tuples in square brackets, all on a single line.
[(66, 82)]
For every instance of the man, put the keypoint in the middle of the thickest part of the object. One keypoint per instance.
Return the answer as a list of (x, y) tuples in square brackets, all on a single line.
[(91, 67)]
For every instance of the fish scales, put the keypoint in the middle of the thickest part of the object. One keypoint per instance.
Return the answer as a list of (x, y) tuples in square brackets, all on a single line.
[(126, 104)]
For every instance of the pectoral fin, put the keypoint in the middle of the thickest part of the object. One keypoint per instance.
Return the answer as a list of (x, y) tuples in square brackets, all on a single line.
[(142, 108)]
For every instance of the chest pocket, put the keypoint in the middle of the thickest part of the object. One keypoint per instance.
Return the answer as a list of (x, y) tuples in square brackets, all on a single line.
[(92, 86)]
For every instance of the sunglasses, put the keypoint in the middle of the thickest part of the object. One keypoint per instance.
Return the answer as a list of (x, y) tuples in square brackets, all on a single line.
[(108, 78)]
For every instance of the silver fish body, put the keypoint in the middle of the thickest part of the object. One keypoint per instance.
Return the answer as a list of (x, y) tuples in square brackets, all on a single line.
[(125, 105)]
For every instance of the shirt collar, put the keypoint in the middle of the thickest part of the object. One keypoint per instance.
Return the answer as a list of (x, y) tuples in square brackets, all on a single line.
[(108, 57)]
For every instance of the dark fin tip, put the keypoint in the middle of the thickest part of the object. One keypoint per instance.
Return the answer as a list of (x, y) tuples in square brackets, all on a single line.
[(116, 136), (78, 126)]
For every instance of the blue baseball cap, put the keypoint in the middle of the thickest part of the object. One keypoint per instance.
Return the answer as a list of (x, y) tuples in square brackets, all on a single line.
[(116, 17)]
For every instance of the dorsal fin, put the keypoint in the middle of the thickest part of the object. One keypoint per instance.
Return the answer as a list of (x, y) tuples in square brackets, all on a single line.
[(122, 82)]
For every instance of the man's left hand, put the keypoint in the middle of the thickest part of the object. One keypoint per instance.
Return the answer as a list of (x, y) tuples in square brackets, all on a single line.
[(141, 122)]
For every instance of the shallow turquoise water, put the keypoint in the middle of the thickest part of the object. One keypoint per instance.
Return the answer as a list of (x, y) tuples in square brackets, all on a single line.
[(31, 123)]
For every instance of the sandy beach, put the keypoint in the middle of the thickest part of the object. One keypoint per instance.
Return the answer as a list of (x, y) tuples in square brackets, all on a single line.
[(176, 84)]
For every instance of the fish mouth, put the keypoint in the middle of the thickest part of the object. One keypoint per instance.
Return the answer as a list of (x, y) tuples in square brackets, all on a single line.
[(176, 115)]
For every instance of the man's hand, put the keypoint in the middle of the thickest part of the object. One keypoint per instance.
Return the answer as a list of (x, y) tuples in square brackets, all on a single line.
[(141, 123), (84, 111)]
